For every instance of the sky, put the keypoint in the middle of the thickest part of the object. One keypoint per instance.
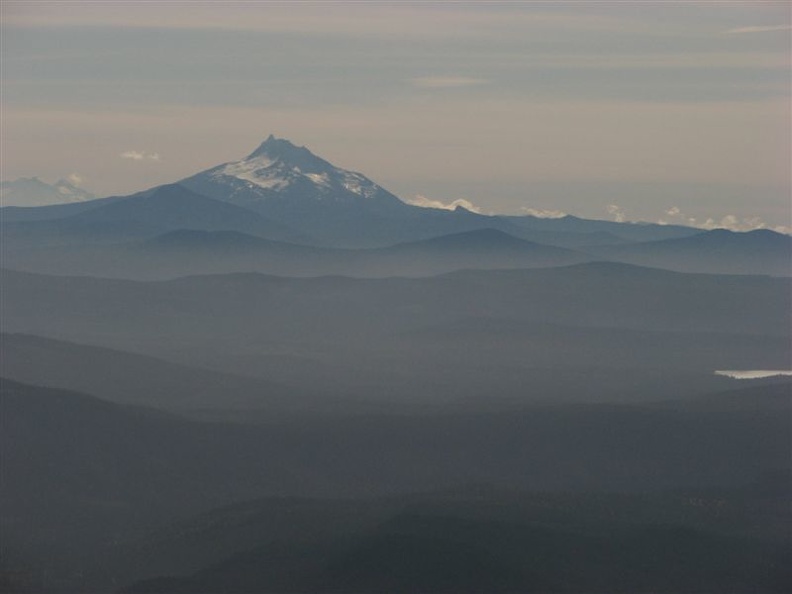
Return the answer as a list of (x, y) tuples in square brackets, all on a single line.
[(677, 112)]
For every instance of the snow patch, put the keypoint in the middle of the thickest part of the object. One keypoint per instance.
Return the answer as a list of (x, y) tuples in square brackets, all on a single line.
[(259, 172), (320, 179), (357, 184)]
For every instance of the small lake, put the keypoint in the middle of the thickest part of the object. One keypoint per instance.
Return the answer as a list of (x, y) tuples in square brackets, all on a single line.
[(744, 374)]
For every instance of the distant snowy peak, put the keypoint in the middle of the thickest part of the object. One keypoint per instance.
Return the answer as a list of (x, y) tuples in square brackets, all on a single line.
[(279, 170), (277, 164), (31, 191)]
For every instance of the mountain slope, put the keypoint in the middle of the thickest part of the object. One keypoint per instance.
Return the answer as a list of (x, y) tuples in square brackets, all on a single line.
[(15, 214), (148, 213), (485, 248), (133, 379), (172, 207)]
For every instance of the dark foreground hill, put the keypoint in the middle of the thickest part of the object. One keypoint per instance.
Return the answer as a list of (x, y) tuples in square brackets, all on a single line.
[(82, 476), (487, 542)]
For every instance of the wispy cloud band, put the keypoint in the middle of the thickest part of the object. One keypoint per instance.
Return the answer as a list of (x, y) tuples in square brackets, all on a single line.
[(760, 29), (446, 82)]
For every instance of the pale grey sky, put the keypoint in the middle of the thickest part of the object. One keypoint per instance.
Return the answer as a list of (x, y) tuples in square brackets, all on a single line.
[(640, 110)]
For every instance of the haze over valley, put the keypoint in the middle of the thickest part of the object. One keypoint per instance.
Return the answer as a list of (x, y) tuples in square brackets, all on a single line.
[(517, 318), (278, 327)]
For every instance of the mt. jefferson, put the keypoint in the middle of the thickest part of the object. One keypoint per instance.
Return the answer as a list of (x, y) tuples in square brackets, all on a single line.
[(281, 179)]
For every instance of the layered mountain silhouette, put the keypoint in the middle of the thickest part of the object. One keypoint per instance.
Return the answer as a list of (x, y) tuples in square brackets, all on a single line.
[(591, 331), (276, 376), (283, 210), (133, 379), (345, 209), (717, 251)]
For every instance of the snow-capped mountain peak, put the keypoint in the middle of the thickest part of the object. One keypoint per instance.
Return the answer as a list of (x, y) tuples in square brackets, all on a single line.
[(279, 172)]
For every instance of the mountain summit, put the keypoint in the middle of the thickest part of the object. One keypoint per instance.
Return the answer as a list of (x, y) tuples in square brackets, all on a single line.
[(280, 148), (284, 180)]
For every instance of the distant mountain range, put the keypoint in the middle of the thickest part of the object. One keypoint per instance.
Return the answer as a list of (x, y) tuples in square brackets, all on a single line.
[(283, 210), (718, 251)]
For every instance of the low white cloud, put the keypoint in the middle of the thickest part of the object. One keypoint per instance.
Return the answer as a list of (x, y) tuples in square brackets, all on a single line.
[(134, 155), (75, 179), (140, 155), (732, 223), (760, 29), (673, 211), (729, 221), (446, 82), (425, 202), (542, 213), (616, 212)]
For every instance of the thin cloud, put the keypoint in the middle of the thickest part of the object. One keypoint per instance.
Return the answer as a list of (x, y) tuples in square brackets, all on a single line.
[(617, 213), (373, 20), (446, 82), (75, 179), (760, 29), (140, 156), (425, 202)]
